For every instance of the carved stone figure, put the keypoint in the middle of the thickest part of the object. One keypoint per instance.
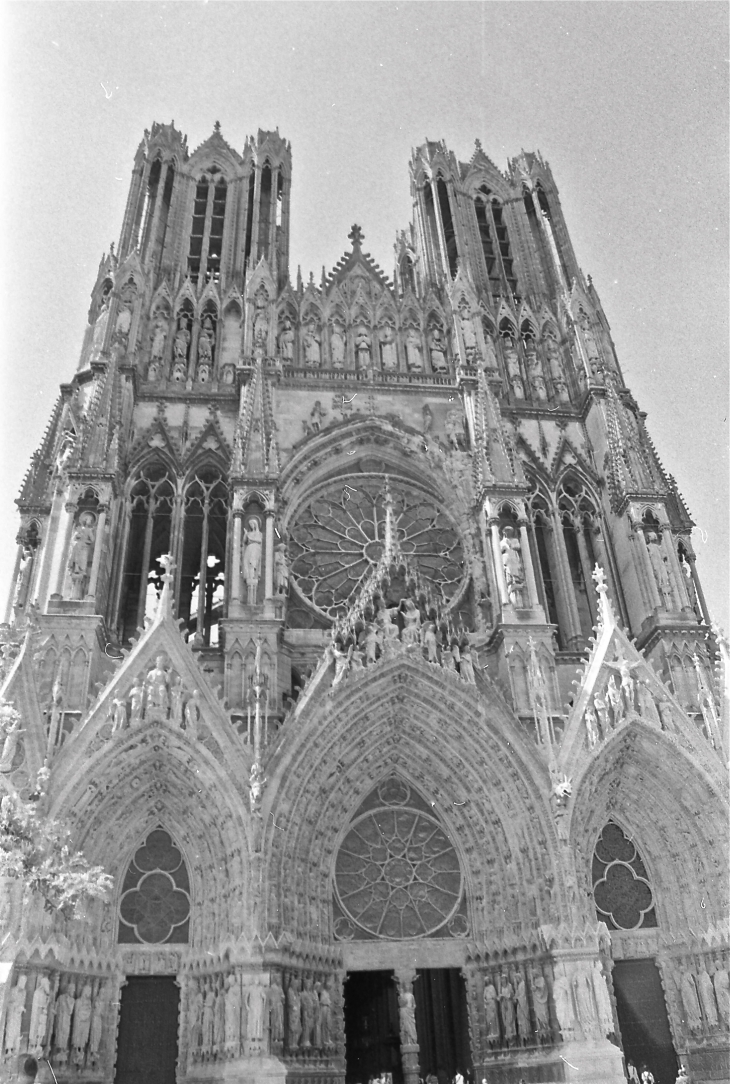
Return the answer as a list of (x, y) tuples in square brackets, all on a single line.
[(427, 419), (592, 728), (39, 1015), (181, 344), (96, 1029), (157, 684), (312, 343), (209, 1000), (437, 349), (512, 364), (154, 371), (467, 331), (22, 583), (192, 714), (256, 998), (507, 1009), (62, 1021), (514, 570), (411, 632), (337, 344), (721, 982), (276, 1009), (387, 619), (251, 565), (371, 638), (293, 1013), (136, 700), (690, 1000), (707, 998), (414, 350), (261, 320), (325, 1017), (429, 641), (81, 554), (14, 1016), (524, 1026), (10, 745), (177, 695), (582, 986), (307, 998), (81, 1025), (491, 1013), (286, 340), (362, 347), (453, 428), (466, 665), (540, 1004), (564, 1006), (219, 1022), (342, 663), (281, 570), (196, 1017), (407, 1014), (603, 1000), (659, 567), (317, 416), (159, 337), (388, 354)]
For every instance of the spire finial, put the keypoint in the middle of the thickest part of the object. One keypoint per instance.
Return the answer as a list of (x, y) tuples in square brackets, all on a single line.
[(356, 236), (217, 126)]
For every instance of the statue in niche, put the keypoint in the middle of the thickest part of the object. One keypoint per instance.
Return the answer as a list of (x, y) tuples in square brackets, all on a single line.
[(512, 364), (81, 555), (453, 427), (14, 1016), (490, 354), (62, 1021), (158, 687), (564, 1006), (437, 349), (317, 416), (524, 1027), (219, 1022), (427, 419), (603, 1000), (192, 714), (582, 987), (10, 745), (507, 1009), (39, 1015), (407, 1014), (261, 320), (389, 631), (342, 664), (721, 983), (123, 323), (196, 1017), (275, 998), (588, 338), (371, 639), (552, 352), (136, 700), (96, 1029), (286, 339), (228, 374), (592, 728), (414, 350), (158, 339), (312, 344), (293, 1013), (468, 334), (429, 641), (362, 346), (659, 567), (537, 379), (412, 617), (317, 1034), (251, 565), (206, 341), (81, 1025), (256, 999), (181, 344), (307, 998), (388, 354), (466, 665), (177, 694), (337, 344), (541, 1005), (209, 1000), (281, 570), (491, 1012), (707, 997), (22, 584), (66, 450), (325, 1016), (514, 570)]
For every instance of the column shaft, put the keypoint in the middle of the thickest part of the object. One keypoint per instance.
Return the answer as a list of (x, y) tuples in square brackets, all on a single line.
[(98, 548)]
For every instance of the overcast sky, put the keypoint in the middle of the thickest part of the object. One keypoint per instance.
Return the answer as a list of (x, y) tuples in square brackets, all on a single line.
[(627, 101)]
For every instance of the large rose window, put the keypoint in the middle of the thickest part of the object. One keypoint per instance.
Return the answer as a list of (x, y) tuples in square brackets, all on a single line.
[(339, 535), (397, 874)]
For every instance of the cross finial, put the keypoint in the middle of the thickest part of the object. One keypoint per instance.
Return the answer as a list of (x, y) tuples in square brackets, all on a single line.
[(356, 236), (217, 126)]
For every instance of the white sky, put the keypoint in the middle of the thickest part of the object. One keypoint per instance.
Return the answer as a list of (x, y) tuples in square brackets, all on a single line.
[(628, 101)]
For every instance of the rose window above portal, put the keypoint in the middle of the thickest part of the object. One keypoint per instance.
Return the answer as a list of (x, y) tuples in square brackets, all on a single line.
[(397, 874), (338, 536)]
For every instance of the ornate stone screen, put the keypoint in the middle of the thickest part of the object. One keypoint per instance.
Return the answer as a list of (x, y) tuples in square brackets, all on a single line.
[(155, 903), (397, 874), (621, 889), (338, 536)]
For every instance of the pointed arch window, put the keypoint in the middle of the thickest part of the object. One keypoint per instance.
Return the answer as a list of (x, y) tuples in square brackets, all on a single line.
[(621, 889), (577, 515), (150, 507), (203, 554), (206, 233), (447, 222), (154, 908), (495, 243)]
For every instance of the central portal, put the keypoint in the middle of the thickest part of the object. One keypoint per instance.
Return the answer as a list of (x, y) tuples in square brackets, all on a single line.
[(147, 1045), (372, 1031)]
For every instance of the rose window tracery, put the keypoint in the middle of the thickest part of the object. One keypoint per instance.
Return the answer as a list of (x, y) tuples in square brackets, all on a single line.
[(338, 536), (621, 889), (397, 873), (155, 903)]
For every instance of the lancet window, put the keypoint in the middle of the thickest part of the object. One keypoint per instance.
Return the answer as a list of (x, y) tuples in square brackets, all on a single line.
[(621, 889), (154, 908), (206, 234), (190, 523), (441, 224), (495, 243), (156, 213)]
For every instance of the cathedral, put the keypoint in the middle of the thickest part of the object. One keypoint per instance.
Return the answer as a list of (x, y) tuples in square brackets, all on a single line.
[(355, 630)]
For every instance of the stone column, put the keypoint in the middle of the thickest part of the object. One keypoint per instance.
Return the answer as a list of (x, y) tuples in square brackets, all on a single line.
[(498, 567), (98, 549), (269, 577), (407, 1012), (527, 563), (235, 573)]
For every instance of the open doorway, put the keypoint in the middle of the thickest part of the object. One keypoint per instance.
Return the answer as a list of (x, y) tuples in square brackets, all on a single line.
[(442, 1024), (372, 1029), (642, 1017), (147, 1043)]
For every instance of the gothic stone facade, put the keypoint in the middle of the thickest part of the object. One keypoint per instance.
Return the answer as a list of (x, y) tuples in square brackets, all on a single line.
[(357, 623)]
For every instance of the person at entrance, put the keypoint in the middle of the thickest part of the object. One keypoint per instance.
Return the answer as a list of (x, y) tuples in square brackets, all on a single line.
[(632, 1073), (647, 1077)]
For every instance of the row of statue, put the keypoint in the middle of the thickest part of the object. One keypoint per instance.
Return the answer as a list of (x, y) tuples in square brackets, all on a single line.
[(705, 996), (399, 628), (251, 561), (309, 1022), (158, 696), (507, 1009), (370, 348), (620, 695), (582, 1002), (68, 1026)]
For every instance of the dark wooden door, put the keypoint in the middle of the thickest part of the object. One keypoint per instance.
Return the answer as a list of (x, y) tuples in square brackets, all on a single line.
[(642, 1017), (147, 1044), (442, 1023), (372, 1028)]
